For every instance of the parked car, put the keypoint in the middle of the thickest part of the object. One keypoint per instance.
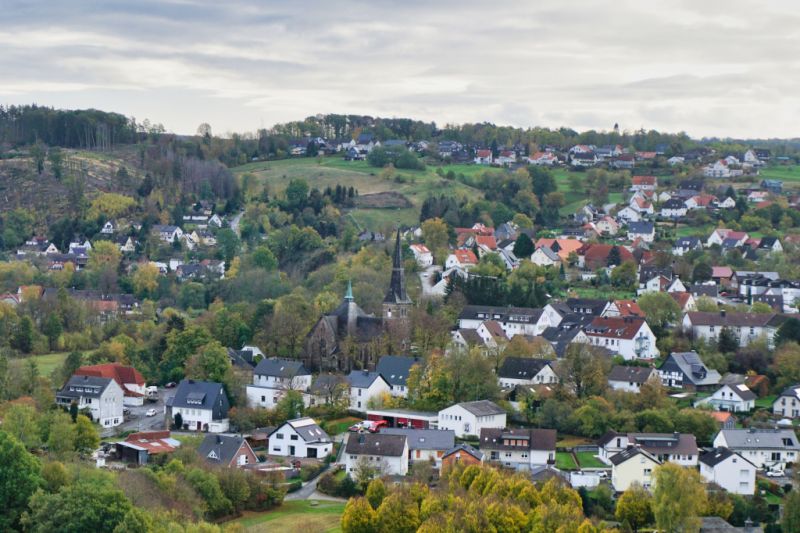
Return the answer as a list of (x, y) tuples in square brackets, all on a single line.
[(775, 473), (151, 412), (373, 426), (171, 385)]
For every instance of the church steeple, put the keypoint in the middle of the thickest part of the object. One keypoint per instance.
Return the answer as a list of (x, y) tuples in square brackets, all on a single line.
[(396, 302), (349, 294)]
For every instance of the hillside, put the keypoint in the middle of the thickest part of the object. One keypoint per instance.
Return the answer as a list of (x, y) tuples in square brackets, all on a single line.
[(49, 198), (413, 186)]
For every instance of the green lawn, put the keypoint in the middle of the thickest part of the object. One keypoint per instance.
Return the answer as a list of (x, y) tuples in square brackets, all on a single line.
[(588, 460), (340, 425), (785, 173), (47, 363), (603, 293), (765, 402), (296, 516), (565, 461)]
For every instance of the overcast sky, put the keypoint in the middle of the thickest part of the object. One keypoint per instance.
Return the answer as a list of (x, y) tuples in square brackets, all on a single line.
[(707, 67)]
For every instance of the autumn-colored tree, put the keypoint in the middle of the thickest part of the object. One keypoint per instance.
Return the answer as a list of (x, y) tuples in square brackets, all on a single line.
[(359, 517), (435, 235), (635, 507), (376, 492), (398, 513), (584, 369), (787, 364), (678, 498), (87, 438), (145, 279)]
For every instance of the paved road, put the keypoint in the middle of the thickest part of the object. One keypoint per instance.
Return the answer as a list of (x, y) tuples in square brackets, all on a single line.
[(235, 223), (136, 420), (309, 490)]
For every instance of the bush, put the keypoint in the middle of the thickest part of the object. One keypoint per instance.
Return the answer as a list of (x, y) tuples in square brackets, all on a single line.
[(311, 471), (337, 483), (294, 486)]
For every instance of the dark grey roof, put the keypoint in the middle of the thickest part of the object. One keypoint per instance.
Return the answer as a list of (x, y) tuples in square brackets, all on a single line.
[(521, 367), (395, 368), (673, 203), (665, 443), (282, 368), (715, 524), (536, 439), (362, 379), (191, 394), (793, 391), (629, 453), (307, 429), (84, 387), (630, 374), (220, 449), (587, 305), (525, 315), (701, 289), (716, 456), (326, 383), (641, 228), (376, 444), (723, 318), (425, 439), (743, 392), (482, 408), (693, 368), (687, 242), (465, 448)]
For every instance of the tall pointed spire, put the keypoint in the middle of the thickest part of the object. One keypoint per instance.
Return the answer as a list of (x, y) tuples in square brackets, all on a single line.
[(397, 288), (349, 294)]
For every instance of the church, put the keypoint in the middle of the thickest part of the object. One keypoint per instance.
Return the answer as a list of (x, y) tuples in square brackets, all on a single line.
[(350, 338)]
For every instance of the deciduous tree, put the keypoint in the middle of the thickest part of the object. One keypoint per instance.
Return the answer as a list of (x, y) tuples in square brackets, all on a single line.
[(19, 479), (678, 498)]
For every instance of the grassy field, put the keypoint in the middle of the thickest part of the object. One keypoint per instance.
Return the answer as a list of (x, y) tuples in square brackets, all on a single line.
[(565, 461), (588, 460), (340, 425), (47, 363), (788, 174), (602, 293), (415, 185), (294, 516), (765, 402)]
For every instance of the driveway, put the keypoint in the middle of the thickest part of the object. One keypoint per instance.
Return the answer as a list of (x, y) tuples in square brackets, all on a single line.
[(137, 420), (235, 223), (309, 490)]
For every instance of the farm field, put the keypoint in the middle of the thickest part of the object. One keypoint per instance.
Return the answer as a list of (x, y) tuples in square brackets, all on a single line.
[(788, 174), (294, 516), (49, 362)]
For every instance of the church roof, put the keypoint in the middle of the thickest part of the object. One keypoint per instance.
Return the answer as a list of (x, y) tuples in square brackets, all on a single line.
[(397, 287)]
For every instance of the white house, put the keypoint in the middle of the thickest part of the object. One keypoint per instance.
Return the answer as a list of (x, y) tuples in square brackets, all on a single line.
[(202, 406), (483, 157), (545, 256), (734, 398), (463, 259), (631, 378), (768, 449), (522, 449), (427, 445), (168, 233), (632, 465), (128, 378), (108, 228), (788, 403), (629, 214), (513, 320), (629, 337), (422, 255), (543, 159), (273, 378), (395, 369), (678, 448), (301, 438), (103, 397), (365, 386), (718, 169), (525, 371), (641, 230), (746, 327), (673, 208), (386, 453), (469, 418), (729, 470)]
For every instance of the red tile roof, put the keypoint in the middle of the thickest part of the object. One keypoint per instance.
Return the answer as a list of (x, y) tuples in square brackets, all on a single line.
[(466, 257), (483, 153), (120, 373), (643, 180), (629, 308), (681, 298), (596, 255), (615, 327), (487, 241)]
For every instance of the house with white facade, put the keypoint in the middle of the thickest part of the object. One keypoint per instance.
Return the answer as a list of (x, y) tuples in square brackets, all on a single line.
[(644, 183), (483, 157), (787, 404), (746, 327), (167, 233), (461, 258), (128, 378), (422, 255), (685, 370), (631, 378), (684, 245), (673, 208), (545, 256), (513, 320), (469, 418), (718, 169), (386, 453), (526, 371), (633, 465), (767, 449), (395, 369), (103, 397), (273, 378), (522, 449), (202, 406), (629, 337), (231, 451), (543, 159), (729, 470), (733, 398), (643, 230), (678, 448), (427, 445), (365, 386), (301, 438)]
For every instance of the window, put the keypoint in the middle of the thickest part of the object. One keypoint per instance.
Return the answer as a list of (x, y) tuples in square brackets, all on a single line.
[(292, 437), (279, 436), (743, 472)]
